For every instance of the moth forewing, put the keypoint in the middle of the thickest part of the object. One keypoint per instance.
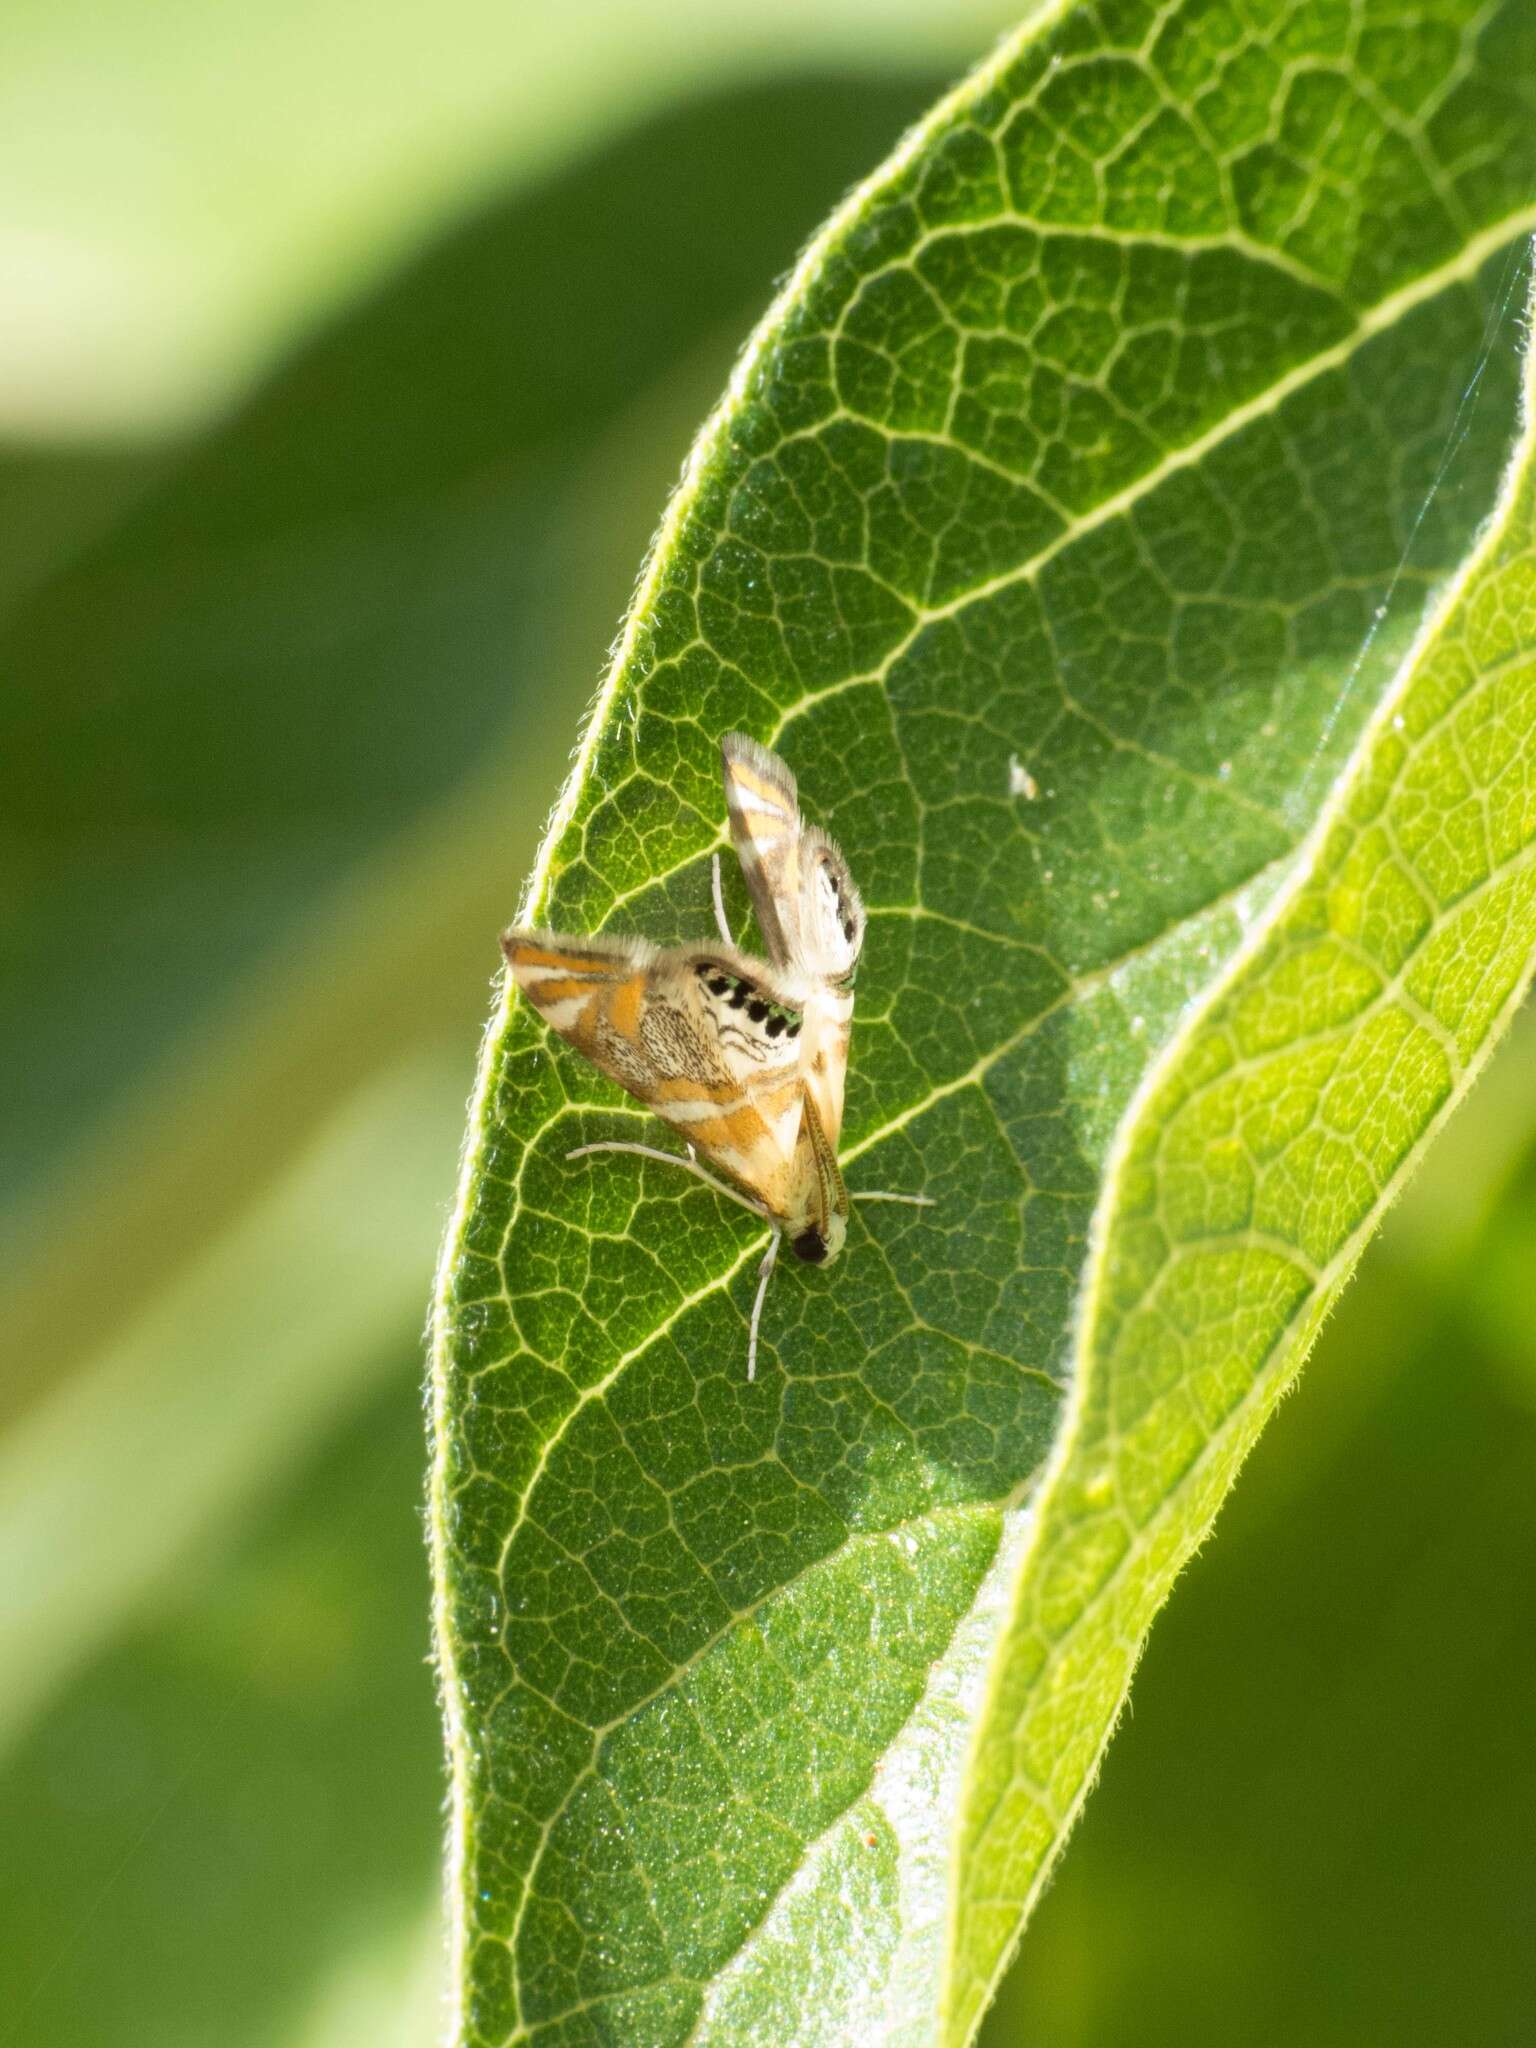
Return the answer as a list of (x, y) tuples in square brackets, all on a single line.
[(589, 990), (763, 806)]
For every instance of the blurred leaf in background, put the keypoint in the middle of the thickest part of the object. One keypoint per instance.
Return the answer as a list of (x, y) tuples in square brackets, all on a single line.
[(285, 707), (287, 694), (187, 183)]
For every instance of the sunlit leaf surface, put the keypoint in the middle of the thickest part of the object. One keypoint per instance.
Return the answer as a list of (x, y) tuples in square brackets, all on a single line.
[(1312, 1817), (1250, 1175), (1066, 528)]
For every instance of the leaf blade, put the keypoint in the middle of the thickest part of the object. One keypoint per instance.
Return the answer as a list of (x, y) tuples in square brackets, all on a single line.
[(1480, 644), (842, 568)]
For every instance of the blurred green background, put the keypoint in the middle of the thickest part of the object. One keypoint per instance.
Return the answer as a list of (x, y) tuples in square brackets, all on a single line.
[(349, 353)]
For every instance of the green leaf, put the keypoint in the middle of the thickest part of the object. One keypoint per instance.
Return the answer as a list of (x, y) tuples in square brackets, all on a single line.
[(1245, 1182), (1067, 526), (1288, 1827)]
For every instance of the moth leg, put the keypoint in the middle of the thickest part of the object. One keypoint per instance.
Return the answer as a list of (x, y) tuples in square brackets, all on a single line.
[(716, 893), (872, 1195), (689, 1165), (764, 1274)]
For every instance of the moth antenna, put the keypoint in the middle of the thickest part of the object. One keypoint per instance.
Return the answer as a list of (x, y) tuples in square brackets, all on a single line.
[(876, 1195), (719, 896), (672, 1159), (764, 1274)]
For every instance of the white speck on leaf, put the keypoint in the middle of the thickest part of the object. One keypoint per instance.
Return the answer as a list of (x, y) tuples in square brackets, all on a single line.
[(1020, 781)]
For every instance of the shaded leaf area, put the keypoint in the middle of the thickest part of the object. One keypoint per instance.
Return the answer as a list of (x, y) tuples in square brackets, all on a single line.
[(1062, 529), (1251, 1175)]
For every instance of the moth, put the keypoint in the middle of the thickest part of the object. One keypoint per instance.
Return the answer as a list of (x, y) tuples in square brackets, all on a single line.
[(745, 1057)]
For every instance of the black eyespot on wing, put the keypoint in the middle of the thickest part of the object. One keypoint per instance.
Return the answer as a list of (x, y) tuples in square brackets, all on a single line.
[(810, 1245), (757, 1010), (738, 995), (718, 985), (775, 1025), (794, 1028)]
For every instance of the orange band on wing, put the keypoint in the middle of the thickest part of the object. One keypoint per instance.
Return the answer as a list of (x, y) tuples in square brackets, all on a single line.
[(687, 1088), (739, 1132), (625, 1004), (777, 1097), (571, 989), (744, 1128), (523, 954), (767, 792)]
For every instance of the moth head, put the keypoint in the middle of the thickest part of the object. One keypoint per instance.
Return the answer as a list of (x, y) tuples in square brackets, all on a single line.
[(820, 1247)]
